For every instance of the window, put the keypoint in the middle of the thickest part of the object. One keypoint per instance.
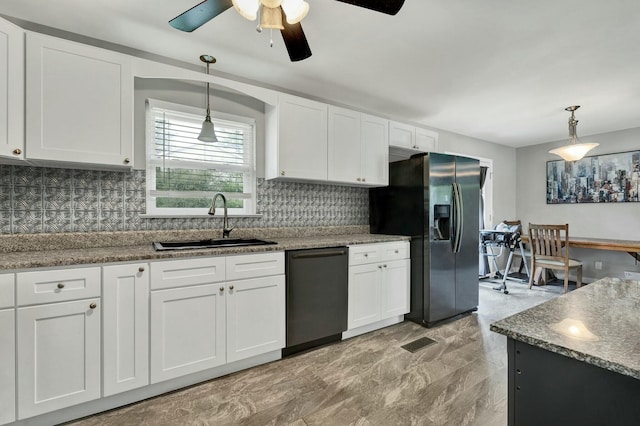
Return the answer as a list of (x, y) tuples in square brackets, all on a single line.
[(184, 173)]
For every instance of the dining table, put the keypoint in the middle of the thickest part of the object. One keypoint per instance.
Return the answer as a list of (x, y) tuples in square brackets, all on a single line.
[(632, 247)]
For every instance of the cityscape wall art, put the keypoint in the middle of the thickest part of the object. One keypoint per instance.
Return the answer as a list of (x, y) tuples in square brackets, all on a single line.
[(608, 178)]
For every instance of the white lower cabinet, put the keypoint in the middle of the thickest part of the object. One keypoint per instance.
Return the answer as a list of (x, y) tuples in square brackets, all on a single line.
[(7, 350), (58, 355), (255, 317), (187, 330), (125, 315), (210, 322), (378, 282)]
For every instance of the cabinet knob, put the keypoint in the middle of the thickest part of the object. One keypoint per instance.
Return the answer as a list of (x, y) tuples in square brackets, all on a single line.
[(358, 179), (17, 151), (126, 161), (221, 288), (364, 180), (282, 173), (93, 306), (230, 287), (384, 266), (366, 255), (141, 269), (396, 251), (379, 266), (60, 285)]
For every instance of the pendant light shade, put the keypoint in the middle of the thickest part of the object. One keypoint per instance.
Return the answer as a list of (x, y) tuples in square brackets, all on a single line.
[(576, 149), (295, 10), (271, 18), (207, 133), (247, 8)]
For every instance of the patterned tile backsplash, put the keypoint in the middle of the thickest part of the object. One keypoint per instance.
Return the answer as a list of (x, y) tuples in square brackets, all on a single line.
[(37, 200)]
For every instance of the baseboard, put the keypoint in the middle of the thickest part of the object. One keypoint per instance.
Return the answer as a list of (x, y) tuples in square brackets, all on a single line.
[(372, 327)]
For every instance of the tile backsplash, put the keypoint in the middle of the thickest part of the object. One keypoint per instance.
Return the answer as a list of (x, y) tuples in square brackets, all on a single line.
[(43, 199)]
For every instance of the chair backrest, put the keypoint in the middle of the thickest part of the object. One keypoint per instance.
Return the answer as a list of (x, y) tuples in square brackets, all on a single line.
[(549, 241)]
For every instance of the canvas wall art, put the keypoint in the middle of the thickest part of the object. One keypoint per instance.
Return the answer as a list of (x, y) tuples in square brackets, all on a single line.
[(608, 178)]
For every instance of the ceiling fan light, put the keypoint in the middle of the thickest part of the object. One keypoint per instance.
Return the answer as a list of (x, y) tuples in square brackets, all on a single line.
[(247, 8), (272, 18), (295, 10), (271, 3)]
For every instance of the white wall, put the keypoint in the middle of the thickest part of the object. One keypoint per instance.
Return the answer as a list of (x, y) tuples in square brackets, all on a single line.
[(598, 220), (504, 169)]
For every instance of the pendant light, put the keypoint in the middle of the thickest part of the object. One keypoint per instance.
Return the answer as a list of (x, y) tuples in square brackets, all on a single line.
[(576, 148), (208, 134)]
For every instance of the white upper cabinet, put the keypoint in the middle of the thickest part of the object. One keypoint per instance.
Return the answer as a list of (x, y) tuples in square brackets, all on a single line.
[(296, 139), (411, 138), (11, 91), (79, 100), (358, 148)]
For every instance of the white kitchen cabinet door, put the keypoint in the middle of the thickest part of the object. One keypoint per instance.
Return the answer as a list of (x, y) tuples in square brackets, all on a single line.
[(426, 140), (11, 91), (395, 288), (297, 146), (344, 146), (402, 135), (375, 150), (7, 366), (255, 317), (125, 315), (79, 100), (364, 294), (187, 330), (58, 356)]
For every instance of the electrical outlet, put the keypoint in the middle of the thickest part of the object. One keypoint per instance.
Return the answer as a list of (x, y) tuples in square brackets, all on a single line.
[(598, 265)]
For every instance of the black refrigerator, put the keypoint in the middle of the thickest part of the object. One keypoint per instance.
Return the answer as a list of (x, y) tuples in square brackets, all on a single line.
[(434, 198)]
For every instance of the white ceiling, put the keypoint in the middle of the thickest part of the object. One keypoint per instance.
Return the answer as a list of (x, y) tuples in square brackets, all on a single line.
[(498, 70)]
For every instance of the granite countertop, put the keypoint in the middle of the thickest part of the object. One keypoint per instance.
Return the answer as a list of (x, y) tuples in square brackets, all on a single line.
[(598, 324), (35, 251)]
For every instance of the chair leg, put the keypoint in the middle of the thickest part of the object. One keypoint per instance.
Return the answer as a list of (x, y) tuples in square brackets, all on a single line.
[(566, 280), (579, 279), (531, 275)]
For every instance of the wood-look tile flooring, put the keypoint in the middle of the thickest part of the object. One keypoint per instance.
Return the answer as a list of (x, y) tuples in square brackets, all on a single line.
[(367, 380)]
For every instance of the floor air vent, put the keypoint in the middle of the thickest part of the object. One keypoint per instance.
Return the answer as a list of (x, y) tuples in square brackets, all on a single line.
[(418, 344)]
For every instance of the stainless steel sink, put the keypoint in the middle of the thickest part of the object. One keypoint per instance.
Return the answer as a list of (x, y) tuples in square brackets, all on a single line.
[(200, 244)]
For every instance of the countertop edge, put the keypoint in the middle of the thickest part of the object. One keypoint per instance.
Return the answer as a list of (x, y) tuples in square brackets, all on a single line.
[(16, 261)]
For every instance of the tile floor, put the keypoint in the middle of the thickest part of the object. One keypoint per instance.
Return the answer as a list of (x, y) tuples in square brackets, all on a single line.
[(367, 380)]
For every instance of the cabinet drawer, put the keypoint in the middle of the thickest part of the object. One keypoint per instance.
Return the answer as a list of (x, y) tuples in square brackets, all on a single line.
[(57, 285), (254, 265), (365, 253), (394, 251), (7, 291), (187, 272)]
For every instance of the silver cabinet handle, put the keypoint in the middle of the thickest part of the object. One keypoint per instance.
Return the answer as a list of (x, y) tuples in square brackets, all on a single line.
[(126, 161), (17, 151), (93, 306), (141, 269), (60, 285), (282, 173), (230, 287), (221, 288)]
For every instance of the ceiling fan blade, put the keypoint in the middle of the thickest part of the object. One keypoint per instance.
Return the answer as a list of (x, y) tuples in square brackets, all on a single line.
[(295, 40), (200, 14), (390, 7)]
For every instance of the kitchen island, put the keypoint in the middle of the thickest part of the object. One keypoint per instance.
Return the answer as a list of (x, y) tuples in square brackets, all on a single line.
[(575, 360)]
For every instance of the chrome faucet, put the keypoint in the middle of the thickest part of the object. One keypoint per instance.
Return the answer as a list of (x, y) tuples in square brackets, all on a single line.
[(225, 221)]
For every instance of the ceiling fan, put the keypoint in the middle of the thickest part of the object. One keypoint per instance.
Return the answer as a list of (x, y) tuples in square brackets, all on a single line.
[(287, 15)]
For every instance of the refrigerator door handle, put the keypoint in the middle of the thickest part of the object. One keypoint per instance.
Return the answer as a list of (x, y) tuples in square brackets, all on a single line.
[(458, 215)]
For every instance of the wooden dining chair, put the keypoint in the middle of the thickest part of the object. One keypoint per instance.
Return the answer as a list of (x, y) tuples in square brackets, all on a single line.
[(550, 249)]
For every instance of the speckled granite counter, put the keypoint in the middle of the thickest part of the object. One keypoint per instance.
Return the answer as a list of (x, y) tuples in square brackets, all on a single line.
[(598, 324), (46, 250)]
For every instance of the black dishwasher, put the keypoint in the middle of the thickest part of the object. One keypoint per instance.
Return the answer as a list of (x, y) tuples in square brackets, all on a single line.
[(317, 292)]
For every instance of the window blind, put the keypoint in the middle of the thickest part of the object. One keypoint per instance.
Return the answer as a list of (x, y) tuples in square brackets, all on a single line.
[(184, 172)]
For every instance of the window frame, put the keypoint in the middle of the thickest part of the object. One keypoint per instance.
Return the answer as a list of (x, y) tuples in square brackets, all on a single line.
[(249, 178)]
